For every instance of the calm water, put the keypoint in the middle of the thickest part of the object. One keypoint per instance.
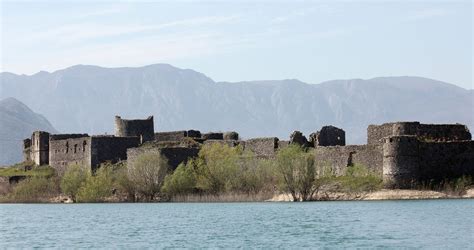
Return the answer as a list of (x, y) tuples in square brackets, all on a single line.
[(427, 224)]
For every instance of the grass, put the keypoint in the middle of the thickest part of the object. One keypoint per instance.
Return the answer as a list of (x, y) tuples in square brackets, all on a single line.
[(27, 169)]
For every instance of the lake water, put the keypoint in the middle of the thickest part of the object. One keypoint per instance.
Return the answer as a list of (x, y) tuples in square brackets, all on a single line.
[(395, 224)]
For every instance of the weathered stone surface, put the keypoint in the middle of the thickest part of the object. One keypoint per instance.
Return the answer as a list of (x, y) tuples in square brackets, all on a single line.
[(170, 136), (232, 135), (142, 128), (328, 136), (213, 136), (425, 132), (230, 143), (298, 138), (193, 133), (262, 147)]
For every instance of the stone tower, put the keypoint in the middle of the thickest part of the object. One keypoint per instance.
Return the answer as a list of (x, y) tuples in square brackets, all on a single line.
[(39, 151), (143, 128), (401, 163)]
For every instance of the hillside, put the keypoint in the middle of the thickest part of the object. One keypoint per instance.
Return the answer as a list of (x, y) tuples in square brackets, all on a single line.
[(86, 99), (17, 122)]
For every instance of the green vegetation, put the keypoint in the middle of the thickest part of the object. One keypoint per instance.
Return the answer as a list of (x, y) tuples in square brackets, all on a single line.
[(27, 169), (97, 187), (147, 174), (220, 170), (73, 179), (35, 189), (218, 173)]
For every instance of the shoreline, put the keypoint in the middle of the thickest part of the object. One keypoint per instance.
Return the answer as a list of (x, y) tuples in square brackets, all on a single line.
[(380, 195)]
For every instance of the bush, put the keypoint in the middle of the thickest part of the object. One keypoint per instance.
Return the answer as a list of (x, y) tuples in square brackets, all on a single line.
[(97, 187), (297, 170), (73, 179), (217, 168), (182, 181), (35, 189), (147, 173)]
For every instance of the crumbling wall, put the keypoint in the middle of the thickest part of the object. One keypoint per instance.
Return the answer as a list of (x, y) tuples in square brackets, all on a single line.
[(143, 128), (328, 136), (298, 138), (443, 132), (375, 133), (262, 147), (424, 132), (170, 136), (174, 155), (213, 136), (338, 158), (230, 143), (441, 160), (69, 149), (111, 149), (39, 150), (27, 149)]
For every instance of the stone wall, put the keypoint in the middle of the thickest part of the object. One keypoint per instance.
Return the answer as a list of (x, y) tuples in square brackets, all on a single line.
[(170, 136), (408, 161), (262, 147), (174, 155), (338, 158), (440, 160), (111, 149), (328, 136), (375, 133), (143, 128), (425, 132), (65, 151), (39, 150)]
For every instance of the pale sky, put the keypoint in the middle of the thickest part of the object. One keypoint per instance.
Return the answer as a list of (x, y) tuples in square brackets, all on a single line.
[(312, 41)]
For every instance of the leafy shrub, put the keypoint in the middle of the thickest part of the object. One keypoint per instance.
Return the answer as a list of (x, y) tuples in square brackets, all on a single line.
[(35, 189), (97, 187), (297, 170), (182, 181), (73, 179), (147, 173)]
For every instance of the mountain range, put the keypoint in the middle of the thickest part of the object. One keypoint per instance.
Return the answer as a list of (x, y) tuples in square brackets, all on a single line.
[(86, 98), (17, 122)]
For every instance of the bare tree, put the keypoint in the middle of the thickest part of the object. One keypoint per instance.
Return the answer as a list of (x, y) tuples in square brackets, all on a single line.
[(147, 173), (298, 172)]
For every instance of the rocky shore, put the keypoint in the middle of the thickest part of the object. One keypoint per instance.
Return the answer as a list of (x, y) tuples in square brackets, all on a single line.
[(384, 194)]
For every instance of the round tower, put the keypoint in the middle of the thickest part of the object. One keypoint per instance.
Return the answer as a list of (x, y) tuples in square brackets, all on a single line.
[(142, 128), (401, 161)]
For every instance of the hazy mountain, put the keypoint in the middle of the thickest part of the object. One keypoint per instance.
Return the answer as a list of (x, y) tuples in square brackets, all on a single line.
[(17, 122), (86, 98)]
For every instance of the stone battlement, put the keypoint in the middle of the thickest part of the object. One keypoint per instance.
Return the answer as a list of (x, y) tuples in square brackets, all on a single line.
[(402, 153)]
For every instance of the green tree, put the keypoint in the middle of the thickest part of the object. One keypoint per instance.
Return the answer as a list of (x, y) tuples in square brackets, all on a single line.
[(35, 189), (217, 168), (97, 187), (297, 170), (181, 181), (147, 173), (73, 179)]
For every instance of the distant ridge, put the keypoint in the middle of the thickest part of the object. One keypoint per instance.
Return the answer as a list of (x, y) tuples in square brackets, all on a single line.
[(17, 122), (85, 98)]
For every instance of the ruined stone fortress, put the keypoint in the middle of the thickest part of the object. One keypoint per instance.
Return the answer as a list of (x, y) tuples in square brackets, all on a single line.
[(402, 153)]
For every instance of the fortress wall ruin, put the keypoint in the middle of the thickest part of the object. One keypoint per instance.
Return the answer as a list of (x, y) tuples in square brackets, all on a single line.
[(262, 147), (408, 161), (425, 132), (174, 155), (338, 158), (65, 151), (111, 149), (143, 128), (170, 136)]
